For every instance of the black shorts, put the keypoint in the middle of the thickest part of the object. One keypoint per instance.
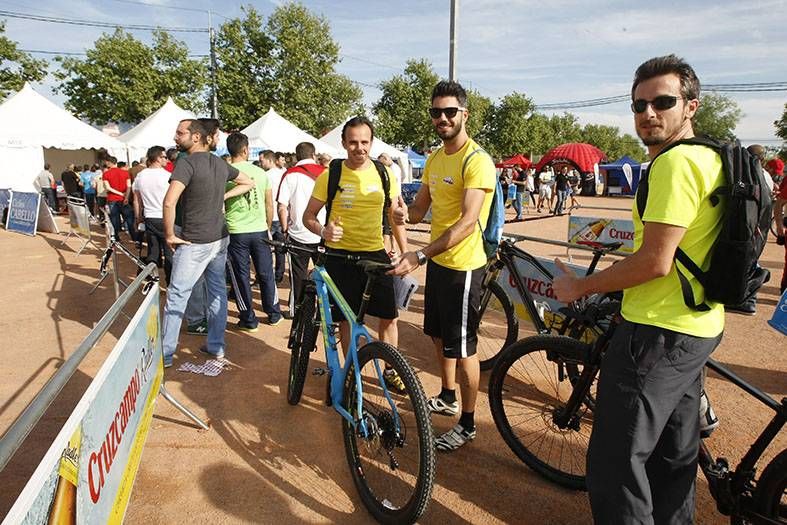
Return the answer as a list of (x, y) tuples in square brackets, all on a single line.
[(451, 308), (351, 281)]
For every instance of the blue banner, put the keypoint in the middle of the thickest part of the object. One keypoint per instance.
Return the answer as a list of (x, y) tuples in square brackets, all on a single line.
[(23, 212), (5, 198)]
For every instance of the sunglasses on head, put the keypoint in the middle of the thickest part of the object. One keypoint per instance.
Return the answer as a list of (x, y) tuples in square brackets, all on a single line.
[(660, 103), (449, 112)]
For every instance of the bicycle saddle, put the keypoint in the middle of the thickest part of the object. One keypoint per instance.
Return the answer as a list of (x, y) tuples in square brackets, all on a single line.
[(375, 267)]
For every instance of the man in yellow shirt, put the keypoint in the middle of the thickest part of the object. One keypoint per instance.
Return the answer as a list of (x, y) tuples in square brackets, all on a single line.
[(355, 226), (642, 456), (458, 183)]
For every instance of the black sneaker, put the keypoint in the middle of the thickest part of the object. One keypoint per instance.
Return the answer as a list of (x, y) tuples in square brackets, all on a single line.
[(200, 328)]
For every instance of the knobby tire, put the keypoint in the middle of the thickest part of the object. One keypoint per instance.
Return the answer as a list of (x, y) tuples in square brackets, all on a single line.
[(304, 331)]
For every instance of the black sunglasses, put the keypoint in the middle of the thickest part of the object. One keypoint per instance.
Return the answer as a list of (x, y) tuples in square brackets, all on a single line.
[(449, 112), (660, 103)]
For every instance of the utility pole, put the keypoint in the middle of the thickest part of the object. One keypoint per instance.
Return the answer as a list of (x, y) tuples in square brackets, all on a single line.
[(452, 45), (214, 101)]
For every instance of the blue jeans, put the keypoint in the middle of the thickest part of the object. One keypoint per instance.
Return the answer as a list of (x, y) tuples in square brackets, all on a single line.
[(116, 208), (518, 204), (197, 306), (562, 195), (189, 262), (245, 245)]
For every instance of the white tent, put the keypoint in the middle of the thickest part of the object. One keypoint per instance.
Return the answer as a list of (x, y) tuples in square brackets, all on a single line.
[(28, 124), (334, 138), (156, 130), (272, 131)]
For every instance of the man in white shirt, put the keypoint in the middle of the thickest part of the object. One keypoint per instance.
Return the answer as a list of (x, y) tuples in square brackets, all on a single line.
[(269, 161), (150, 186), (389, 163), (294, 193)]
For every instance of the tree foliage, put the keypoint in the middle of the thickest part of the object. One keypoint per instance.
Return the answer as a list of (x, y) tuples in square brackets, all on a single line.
[(781, 127), (717, 116), (289, 65), (17, 67), (124, 80), (609, 140), (510, 126), (402, 110)]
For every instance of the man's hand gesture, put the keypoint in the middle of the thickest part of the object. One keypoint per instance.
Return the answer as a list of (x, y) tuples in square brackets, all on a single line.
[(399, 211)]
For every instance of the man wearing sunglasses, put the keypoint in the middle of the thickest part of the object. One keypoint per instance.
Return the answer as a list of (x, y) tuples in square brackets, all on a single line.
[(642, 455), (458, 183)]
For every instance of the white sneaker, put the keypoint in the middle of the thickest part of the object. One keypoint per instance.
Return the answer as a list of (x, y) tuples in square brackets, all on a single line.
[(438, 406), (454, 438)]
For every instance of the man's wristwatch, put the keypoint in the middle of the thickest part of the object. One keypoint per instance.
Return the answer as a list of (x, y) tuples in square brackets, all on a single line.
[(421, 257)]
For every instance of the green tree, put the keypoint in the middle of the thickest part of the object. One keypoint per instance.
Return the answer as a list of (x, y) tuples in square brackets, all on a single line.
[(17, 67), (124, 80), (563, 129), (510, 126), (402, 110), (289, 65), (717, 116), (478, 107), (609, 140), (781, 127)]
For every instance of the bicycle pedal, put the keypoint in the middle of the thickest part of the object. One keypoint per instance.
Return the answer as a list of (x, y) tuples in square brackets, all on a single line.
[(319, 372)]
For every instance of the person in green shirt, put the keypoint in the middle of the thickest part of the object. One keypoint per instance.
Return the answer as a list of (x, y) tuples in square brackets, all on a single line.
[(249, 218)]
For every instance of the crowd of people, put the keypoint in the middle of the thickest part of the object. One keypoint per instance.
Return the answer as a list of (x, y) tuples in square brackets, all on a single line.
[(200, 210)]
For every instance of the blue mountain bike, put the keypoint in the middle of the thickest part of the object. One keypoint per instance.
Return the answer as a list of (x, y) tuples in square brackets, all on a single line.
[(387, 435)]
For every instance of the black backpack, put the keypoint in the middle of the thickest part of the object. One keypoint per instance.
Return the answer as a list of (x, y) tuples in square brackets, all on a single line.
[(335, 173), (733, 275)]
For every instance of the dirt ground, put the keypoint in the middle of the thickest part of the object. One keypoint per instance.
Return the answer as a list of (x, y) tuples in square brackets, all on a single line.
[(264, 461)]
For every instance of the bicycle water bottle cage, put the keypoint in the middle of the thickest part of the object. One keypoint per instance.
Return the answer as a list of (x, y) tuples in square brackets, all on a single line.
[(375, 268)]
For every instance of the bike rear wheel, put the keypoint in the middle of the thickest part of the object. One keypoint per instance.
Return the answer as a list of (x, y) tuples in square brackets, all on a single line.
[(532, 380), (303, 338), (771, 495), (498, 325), (393, 467)]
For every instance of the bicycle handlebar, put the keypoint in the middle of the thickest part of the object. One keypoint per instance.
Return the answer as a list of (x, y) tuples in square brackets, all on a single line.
[(368, 265)]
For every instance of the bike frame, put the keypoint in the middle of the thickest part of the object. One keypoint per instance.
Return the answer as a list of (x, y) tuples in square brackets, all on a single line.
[(728, 487), (325, 287)]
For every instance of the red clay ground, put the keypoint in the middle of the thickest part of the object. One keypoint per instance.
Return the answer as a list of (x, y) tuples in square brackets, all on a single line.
[(265, 461)]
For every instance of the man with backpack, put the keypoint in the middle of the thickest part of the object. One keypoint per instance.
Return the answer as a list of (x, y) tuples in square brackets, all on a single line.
[(356, 194), (642, 455), (459, 183)]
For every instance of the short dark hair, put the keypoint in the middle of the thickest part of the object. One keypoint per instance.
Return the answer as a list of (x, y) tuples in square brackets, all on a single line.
[(47, 166), (134, 163), (112, 160), (268, 155), (172, 154), (236, 142), (356, 122), (450, 88), (196, 126), (304, 150), (86, 167), (121, 164), (153, 154), (211, 125), (280, 154), (666, 65)]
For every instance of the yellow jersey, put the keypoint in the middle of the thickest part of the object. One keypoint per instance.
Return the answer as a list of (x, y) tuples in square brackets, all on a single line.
[(358, 206), (443, 175)]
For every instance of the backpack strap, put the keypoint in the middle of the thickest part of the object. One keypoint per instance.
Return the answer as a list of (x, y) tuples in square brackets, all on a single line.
[(680, 255), (334, 174), (464, 165), (383, 171)]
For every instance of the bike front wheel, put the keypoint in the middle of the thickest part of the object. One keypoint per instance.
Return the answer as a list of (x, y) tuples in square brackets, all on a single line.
[(392, 460), (529, 386), (498, 326), (303, 338), (771, 495)]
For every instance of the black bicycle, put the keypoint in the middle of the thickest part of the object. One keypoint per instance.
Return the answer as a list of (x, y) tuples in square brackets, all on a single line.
[(500, 324), (542, 396)]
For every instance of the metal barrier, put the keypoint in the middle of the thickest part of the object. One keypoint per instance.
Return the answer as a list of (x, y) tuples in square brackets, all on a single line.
[(27, 420)]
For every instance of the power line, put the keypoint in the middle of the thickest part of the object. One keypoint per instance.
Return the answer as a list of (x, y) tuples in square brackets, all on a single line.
[(176, 7), (81, 53), (93, 23)]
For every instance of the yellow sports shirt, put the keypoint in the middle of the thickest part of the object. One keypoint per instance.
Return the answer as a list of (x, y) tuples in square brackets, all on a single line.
[(443, 174), (680, 183), (358, 207)]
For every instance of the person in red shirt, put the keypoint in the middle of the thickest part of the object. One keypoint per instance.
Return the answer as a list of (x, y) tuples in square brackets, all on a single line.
[(776, 168), (118, 185)]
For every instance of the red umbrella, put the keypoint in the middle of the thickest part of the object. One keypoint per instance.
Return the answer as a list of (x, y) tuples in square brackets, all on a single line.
[(516, 160), (582, 156)]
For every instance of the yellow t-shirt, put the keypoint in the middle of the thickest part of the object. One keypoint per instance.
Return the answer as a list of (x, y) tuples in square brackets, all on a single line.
[(680, 183), (358, 206), (443, 174)]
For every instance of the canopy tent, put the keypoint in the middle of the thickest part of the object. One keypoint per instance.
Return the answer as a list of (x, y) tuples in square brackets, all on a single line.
[(582, 156), (334, 139), (156, 130), (272, 131), (416, 159), (517, 160), (616, 174), (29, 123)]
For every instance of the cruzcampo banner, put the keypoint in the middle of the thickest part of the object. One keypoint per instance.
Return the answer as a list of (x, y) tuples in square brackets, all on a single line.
[(590, 231), (87, 474)]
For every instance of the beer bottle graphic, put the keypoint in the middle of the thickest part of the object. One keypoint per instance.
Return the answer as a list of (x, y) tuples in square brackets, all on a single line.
[(64, 504), (590, 234)]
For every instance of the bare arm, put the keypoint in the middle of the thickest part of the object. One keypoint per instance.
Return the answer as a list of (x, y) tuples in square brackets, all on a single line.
[(310, 216), (269, 209), (399, 233), (653, 259), (419, 207), (284, 217), (778, 215), (170, 202), (138, 211), (243, 184)]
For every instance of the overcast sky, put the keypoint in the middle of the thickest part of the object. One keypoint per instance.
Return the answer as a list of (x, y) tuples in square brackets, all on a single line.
[(554, 51)]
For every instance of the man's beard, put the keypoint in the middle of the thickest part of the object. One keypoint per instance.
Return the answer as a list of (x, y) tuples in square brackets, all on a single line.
[(449, 133)]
